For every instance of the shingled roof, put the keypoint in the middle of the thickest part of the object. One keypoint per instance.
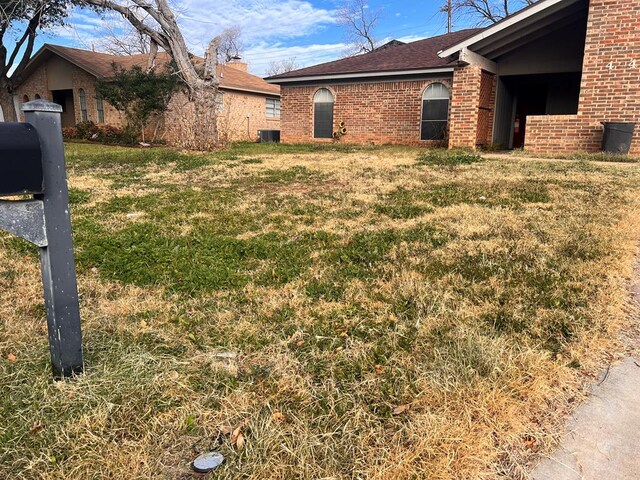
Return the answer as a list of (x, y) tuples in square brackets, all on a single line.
[(100, 65), (420, 55)]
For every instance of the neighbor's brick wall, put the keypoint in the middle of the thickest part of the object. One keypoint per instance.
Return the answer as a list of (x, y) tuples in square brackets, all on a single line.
[(607, 94), (377, 113), (37, 83), (232, 122)]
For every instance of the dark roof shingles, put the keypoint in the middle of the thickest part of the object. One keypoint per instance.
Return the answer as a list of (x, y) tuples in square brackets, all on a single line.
[(419, 55)]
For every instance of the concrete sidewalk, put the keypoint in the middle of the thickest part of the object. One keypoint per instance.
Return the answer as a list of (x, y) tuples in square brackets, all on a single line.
[(603, 442)]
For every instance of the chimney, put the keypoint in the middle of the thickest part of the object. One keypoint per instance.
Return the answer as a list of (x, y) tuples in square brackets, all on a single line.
[(238, 64)]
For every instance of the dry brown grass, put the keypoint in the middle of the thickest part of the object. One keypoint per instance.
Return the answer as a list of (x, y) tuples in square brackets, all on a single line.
[(484, 296)]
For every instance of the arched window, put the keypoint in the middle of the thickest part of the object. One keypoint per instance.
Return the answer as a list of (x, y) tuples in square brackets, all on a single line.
[(84, 116), (25, 99), (100, 107), (323, 114), (435, 112), (37, 97)]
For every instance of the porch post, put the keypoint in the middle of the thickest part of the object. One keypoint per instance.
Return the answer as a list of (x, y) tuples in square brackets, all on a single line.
[(465, 102)]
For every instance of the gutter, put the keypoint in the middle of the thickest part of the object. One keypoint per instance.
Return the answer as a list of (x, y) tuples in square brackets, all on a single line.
[(359, 75)]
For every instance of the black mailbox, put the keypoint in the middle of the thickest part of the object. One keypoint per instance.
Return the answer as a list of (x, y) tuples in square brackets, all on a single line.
[(20, 159)]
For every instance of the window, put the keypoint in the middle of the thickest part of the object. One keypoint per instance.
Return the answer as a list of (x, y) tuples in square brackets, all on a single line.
[(100, 107), (83, 106), (323, 114), (273, 108), (37, 97), (435, 112), (25, 99)]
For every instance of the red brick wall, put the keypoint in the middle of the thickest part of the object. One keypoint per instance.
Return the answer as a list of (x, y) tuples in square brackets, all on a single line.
[(562, 134), (486, 110), (610, 89), (465, 102), (379, 113)]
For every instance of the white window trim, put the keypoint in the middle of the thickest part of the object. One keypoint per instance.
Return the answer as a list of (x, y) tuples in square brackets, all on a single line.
[(424, 93), (275, 108)]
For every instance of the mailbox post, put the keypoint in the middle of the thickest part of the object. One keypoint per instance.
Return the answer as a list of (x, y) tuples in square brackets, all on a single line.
[(45, 222)]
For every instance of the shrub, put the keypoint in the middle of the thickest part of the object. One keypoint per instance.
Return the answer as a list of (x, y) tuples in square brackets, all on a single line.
[(69, 133), (86, 130), (100, 133)]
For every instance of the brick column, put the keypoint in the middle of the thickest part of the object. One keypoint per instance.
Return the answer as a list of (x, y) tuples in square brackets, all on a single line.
[(465, 101), (610, 88), (611, 73)]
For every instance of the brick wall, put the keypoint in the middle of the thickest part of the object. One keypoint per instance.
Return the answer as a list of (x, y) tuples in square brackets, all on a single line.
[(377, 112), (486, 109), (37, 83), (610, 88), (232, 121), (465, 103), (562, 134)]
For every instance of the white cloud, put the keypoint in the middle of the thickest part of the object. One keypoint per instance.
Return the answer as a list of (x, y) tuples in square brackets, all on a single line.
[(261, 55), (265, 26), (259, 20)]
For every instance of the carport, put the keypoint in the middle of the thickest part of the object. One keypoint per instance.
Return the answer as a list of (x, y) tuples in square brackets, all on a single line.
[(536, 57)]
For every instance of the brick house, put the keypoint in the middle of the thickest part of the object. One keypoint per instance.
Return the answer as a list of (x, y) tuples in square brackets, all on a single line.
[(68, 76), (543, 79)]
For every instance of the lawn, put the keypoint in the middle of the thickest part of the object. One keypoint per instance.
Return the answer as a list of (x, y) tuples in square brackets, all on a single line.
[(353, 313)]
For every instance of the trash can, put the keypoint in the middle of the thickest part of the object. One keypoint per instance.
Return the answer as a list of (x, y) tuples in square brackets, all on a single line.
[(617, 137)]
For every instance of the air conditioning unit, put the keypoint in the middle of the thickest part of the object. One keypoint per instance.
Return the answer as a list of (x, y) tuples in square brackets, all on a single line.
[(269, 136)]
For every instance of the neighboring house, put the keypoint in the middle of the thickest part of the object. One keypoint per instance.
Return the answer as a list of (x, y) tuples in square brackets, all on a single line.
[(68, 76), (543, 79)]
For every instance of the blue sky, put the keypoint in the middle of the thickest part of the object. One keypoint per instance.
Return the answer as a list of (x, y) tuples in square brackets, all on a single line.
[(273, 30)]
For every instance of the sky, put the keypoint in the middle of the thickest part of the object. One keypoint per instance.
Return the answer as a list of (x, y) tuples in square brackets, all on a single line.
[(272, 30)]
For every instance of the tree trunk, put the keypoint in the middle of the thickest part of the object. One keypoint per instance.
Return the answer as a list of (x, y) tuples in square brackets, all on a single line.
[(7, 103)]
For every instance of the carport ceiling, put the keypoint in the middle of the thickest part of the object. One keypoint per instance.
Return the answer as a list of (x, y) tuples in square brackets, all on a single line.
[(562, 15)]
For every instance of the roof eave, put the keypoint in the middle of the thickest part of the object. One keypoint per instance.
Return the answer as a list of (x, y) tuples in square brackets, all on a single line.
[(249, 90), (500, 26), (345, 76)]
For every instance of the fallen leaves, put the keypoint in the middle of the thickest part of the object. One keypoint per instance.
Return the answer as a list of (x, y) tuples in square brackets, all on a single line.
[(278, 417), (400, 409), (379, 369), (237, 435), (12, 358), (237, 438), (36, 427)]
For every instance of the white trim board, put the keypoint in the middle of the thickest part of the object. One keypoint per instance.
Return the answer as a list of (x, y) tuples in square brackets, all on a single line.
[(360, 75)]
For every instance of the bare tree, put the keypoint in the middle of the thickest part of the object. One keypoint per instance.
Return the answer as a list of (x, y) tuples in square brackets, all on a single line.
[(359, 22), (231, 45), (22, 21), (489, 11), (156, 20), (285, 65), (122, 39)]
